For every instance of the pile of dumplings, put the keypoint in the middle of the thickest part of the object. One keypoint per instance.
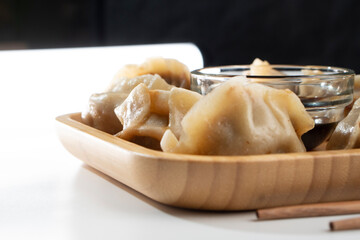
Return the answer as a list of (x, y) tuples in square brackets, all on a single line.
[(151, 105)]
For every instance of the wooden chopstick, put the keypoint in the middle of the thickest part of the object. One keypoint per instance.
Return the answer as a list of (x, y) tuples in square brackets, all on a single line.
[(346, 224), (309, 210)]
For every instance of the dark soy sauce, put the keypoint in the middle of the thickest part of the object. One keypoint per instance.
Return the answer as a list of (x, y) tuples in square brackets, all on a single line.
[(318, 135)]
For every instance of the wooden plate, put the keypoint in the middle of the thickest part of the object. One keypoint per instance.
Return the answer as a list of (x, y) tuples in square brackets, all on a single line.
[(216, 182)]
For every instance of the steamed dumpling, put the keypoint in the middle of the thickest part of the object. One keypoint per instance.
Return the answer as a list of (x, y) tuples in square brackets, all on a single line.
[(152, 81), (347, 133), (137, 114), (100, 109), (356, 94), (315, 87), (149, 113), (242, 118), (262, 68), (180, 102), (174, 72)]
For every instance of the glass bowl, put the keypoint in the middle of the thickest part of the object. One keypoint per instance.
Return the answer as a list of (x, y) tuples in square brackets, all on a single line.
[(324, 91)]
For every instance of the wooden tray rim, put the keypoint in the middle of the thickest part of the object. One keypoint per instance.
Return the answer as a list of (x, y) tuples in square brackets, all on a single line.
[(70, 120)]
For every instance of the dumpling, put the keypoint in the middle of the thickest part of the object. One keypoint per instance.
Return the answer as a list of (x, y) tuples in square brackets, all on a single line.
[(315, 87), (242, 118), (347, 133), (357, 87), (262, 68), (311, 71), (100, 110), (152, 81), (180, 102), (138, 117), (311, 87), (149, 113), (173, 71), (356, 94)]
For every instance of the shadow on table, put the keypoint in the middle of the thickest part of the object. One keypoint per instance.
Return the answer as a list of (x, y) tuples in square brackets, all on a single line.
[(118, 196)]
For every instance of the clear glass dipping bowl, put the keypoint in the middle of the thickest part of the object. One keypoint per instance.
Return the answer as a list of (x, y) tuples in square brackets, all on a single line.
[(324, 91)]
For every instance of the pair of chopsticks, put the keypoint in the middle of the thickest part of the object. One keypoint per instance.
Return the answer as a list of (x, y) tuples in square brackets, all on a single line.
[(316, 210)]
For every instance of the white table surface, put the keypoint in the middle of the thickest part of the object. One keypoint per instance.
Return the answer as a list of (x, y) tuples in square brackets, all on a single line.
[(46, 193)]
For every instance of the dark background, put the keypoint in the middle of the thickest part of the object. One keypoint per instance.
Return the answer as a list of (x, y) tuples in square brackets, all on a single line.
[(226, 31)]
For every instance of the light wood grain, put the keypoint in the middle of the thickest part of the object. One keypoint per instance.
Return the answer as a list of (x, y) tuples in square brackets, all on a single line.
[(309, 210), (216, 182), (346, 224)]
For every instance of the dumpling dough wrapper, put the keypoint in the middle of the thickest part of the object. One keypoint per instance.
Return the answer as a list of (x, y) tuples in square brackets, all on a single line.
[(100, 109), (242, 118), (149, 113), (347, 133), (174, 72)]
